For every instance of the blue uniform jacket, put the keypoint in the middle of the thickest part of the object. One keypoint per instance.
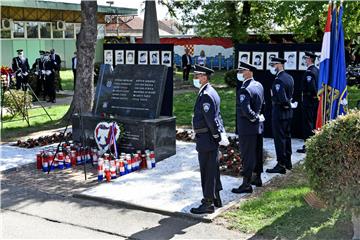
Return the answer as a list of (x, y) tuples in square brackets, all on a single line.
[(282, 92), (207, 119)]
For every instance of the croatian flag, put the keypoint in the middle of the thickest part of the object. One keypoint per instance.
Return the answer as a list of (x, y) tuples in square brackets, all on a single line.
[(324, 71)]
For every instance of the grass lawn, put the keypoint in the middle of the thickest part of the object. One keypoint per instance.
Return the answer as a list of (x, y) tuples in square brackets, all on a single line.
[(13, 130), (67, 79), (280, 212), (216, 79), (354, 96), (184, 106)]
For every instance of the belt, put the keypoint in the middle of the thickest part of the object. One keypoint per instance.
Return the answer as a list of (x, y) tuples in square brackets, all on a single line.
[(201, 130)]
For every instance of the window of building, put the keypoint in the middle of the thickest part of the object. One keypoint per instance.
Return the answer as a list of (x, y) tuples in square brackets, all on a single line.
[(5, 33), (45, 30), (57, 33), (69, 30), (19, 30), (32, 30), (77, 28), (100, 31)]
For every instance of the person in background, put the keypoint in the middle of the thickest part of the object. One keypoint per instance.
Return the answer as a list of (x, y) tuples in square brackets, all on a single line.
[(48, 71), (57, 66), (201, 60), (37, 67), (73, 67), (186, 64)]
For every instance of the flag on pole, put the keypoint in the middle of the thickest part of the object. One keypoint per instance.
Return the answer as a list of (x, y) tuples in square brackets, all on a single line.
[(324, 72), (338, 83)]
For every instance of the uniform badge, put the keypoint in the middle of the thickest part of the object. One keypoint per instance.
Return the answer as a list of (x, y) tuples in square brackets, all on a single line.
[(206, 107), (242, 97), (308, 78), (277, 87)]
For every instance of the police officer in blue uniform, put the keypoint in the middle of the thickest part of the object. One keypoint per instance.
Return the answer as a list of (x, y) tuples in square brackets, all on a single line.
[(249, 119), (209, 133), (308, 88), (20, 66), (281, 96)]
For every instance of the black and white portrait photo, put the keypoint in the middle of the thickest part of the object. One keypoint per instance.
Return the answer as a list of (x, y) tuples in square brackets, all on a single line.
[(108, 57), (142, 57), (166, 58), (244, 57), (302, 61), (154, 57), (269, 56), (119, 57), (258, 60), (290, 58), (130, 57)]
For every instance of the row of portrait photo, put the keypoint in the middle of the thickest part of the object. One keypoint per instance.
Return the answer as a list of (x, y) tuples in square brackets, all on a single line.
[(294, 60), (143, 57)]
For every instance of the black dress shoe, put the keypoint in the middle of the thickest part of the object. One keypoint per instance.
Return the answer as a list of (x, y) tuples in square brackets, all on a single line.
[(245, 187), (256, 180), (217, 200), (53, 101), (301, 150), (205, 207), (277, 169)]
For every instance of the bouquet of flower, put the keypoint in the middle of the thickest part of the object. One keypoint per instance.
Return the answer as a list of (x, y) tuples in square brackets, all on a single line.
[(5, 73)]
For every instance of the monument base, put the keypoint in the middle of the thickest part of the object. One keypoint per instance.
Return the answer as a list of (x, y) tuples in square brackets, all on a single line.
[(157, 134)]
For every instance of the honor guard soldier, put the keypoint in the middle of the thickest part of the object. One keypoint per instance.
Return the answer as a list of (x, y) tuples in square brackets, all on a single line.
[(49, 75), (37, 67), (57, 66), (209, 133), (248, 109), (20, 66), (281, 95), (308, 88)]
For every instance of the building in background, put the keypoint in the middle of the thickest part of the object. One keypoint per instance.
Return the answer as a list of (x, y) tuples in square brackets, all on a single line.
[(35, 25)]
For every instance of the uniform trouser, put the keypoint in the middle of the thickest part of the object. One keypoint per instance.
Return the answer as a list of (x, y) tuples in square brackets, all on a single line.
[(19, 81), (210, 173), (259, 155), (50, 87), (282, 138), (248, 147), (186, 72), (39, 86), (309, 121)]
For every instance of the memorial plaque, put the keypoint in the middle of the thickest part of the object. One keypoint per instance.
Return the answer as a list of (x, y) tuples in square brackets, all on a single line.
[(131, 90)]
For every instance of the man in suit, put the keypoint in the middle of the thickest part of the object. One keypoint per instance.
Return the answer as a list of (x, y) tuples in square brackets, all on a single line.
[(57, 66), (37, 67), (186, 64), (73, 67), (209, 134), (48, 71), (308, 88), (249, 118), (20, 66), (281, 95)]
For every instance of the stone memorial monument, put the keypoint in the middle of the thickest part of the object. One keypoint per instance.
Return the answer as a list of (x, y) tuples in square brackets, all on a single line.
[(131, 96)]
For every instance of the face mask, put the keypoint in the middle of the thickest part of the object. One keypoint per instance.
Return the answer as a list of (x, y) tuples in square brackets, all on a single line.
[(196, 83), (240, 77), (273, 70)]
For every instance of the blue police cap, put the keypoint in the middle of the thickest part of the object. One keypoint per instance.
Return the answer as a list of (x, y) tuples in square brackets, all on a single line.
[(276, 60), (202, 70), (246, 66), (311, 54)]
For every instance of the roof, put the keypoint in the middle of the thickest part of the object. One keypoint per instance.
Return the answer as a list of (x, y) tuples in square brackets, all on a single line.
[(65, 6)]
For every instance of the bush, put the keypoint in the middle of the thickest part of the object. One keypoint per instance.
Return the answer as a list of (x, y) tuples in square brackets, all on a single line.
[(333, 162), (17, 100), (230, 78)]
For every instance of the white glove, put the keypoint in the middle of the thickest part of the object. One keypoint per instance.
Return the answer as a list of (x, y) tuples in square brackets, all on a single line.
[(25, 73), (43, 71), (36, 73), (48, 72), (224, 140), (294, 104), (261, 118), (19, 74)]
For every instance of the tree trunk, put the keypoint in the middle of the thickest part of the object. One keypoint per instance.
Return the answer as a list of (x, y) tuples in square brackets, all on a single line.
[(356, 224), (151, 27), (85, 45)]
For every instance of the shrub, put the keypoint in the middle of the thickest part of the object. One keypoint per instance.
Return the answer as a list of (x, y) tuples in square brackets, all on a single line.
[(333, 162), (17, 100), (230, 78)]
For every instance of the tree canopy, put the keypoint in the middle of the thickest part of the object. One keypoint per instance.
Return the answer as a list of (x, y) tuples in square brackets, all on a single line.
[(236, 19)]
